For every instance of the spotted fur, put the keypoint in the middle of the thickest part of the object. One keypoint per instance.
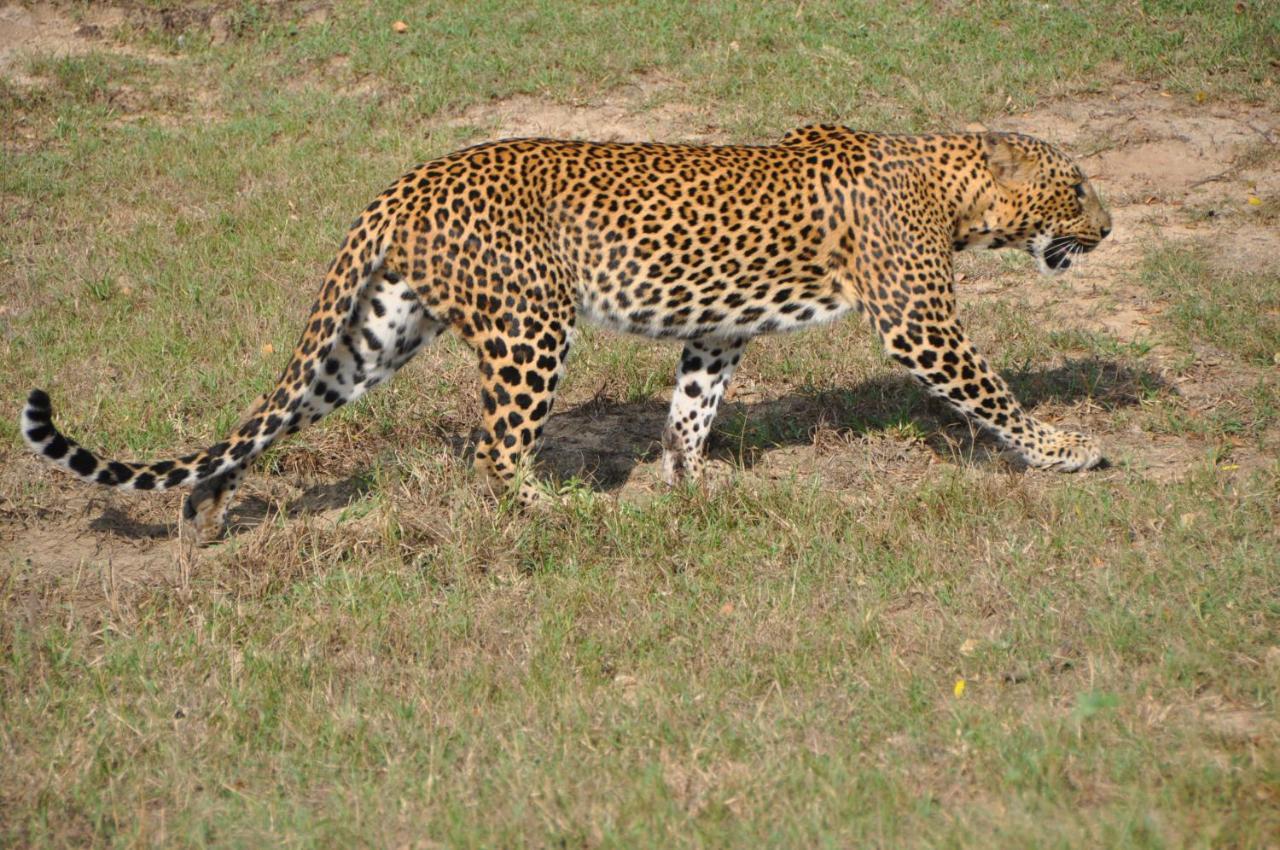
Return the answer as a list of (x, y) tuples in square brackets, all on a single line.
[(509, 243)]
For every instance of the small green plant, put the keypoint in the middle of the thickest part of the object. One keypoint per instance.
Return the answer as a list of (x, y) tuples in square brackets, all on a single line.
[(1091, 703), (100, 288)]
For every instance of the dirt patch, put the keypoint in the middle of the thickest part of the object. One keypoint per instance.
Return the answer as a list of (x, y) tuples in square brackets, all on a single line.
[(1137, 139), (46, 29), (1235, 723), (646, 109), (80, 544), (55, 29), (89, 545), (49, 31)]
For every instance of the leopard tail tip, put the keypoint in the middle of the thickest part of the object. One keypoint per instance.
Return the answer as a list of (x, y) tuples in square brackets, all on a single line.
[(38, 399), (37, 421), (44, 439)]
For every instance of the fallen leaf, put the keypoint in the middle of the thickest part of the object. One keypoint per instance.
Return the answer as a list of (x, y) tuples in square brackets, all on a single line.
[(400, 27), (1201, 97), (267, 349), (726, 608), (968, 647)]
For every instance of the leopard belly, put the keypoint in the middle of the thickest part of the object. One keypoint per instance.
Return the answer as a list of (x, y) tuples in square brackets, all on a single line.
[(722, 309)]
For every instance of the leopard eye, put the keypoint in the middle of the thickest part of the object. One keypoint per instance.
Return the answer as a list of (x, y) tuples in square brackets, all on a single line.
[(1079, 189)]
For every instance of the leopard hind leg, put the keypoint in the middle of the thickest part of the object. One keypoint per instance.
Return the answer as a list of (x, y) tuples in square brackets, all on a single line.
[(706, 368), (388, 326)]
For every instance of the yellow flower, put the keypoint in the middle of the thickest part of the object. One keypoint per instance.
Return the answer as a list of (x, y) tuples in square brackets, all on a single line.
[(958, 690)]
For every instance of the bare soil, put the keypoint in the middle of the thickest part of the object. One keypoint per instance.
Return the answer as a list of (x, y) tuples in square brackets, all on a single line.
[(46, 29), (646, 109), (1172, 171)]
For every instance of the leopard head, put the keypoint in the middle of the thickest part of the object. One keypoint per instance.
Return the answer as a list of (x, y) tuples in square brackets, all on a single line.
[(1035, 198)]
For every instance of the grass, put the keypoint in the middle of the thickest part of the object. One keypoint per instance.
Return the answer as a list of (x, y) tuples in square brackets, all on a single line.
[(783, 674), (378, 656), (1237, 313), (763, 65)]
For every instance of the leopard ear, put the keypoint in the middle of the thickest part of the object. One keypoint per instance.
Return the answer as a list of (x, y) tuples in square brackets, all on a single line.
[(1009, 164)]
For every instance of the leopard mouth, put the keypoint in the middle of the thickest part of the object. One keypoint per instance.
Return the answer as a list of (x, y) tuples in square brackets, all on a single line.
[(1059, 253), (1056, 254)]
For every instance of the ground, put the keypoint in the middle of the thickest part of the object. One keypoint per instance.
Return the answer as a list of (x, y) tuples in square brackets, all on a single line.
[(871, 629)]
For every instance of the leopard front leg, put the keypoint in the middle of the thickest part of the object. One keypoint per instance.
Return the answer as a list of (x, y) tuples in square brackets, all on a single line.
[(706, 367), (943, 359)]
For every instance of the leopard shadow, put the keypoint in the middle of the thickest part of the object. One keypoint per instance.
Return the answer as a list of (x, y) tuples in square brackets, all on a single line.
[(602, 442), (247, 513)]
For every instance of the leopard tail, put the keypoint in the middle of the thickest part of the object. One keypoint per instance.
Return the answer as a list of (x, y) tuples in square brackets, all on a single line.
[(361, 256)]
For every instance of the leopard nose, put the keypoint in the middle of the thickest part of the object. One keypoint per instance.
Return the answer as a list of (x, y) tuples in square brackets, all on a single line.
[(1106, 231)]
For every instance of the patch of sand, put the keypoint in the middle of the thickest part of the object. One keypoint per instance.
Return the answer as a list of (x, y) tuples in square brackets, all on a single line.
[(642, 110)]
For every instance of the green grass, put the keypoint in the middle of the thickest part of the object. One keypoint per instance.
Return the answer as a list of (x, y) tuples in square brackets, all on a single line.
[(1237, 313), (763, 65), (770, 664), (773, 666)]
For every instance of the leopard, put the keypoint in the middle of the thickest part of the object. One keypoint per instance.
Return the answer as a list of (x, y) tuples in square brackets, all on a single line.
[(511, 243)]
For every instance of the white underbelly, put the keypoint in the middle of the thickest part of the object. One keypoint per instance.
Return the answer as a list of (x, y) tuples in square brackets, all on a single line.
[(716, 320)]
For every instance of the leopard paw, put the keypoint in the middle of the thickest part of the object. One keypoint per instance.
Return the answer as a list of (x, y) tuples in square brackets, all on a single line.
[(1063, 451)]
